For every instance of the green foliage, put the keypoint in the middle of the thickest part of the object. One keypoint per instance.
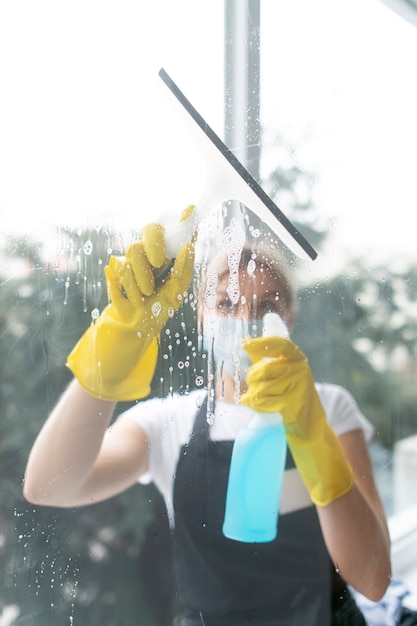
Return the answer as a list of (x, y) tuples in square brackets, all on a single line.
[(358, 330), (89, 564)]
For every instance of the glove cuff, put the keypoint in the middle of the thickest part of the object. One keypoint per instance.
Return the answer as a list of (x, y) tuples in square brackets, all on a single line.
[(107, 365), (323, 466)]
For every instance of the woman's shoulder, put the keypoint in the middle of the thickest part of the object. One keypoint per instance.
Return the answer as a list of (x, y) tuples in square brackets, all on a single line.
[(170, 412), (334, 392), (342, 410)]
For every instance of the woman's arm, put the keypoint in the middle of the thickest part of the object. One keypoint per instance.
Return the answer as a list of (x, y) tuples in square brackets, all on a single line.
[(78, 459), (354, 525), (336, 471)]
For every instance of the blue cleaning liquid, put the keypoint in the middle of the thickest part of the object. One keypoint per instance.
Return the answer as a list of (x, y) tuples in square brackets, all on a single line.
[(255, 483), (257, 469)]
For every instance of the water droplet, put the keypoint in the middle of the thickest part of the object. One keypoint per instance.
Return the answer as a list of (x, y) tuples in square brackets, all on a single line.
[(156, 309), (88, 247), (231, 242), (210, 295), (251, 267), (94, 314)]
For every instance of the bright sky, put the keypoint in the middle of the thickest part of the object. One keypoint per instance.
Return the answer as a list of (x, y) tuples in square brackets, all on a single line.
[(346, 90), (87, 135)]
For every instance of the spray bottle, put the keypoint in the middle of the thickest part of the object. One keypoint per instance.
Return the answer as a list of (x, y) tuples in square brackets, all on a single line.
[(257, 469)]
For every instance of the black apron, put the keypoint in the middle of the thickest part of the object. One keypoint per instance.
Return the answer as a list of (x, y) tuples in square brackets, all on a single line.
[(286, 582)]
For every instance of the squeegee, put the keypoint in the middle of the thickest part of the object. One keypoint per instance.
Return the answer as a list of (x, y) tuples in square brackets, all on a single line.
[(227, 179)]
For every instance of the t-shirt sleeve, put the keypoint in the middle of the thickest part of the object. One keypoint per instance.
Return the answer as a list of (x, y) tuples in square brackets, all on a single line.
[(342, 410), (167, 423), (149, 415)]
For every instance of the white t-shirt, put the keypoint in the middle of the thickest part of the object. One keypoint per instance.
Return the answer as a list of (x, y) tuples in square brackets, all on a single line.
[(168, 424)]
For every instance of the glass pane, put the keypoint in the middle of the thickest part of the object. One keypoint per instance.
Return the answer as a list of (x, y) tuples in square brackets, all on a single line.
[(338, 113), (91, 150)]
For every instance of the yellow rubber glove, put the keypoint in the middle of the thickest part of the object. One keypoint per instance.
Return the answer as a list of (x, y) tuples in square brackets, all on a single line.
[(284, 384), (115, 359)]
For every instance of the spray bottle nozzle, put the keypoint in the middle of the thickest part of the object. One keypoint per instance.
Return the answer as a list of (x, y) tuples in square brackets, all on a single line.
[(274, 326)]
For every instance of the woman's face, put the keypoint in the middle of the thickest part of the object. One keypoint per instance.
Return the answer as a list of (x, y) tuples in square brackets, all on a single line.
[(233, 308), (259, 293)]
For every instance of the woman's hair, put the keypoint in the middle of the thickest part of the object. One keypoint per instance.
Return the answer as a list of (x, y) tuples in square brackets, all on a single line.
[(261, 255)]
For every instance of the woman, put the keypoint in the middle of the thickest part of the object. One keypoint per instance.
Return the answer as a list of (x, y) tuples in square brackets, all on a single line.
[(332, 529)]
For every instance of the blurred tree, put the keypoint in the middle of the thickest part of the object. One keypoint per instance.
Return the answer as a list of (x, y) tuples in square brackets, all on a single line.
[(359, 330), (88, 564), (290, 186)]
